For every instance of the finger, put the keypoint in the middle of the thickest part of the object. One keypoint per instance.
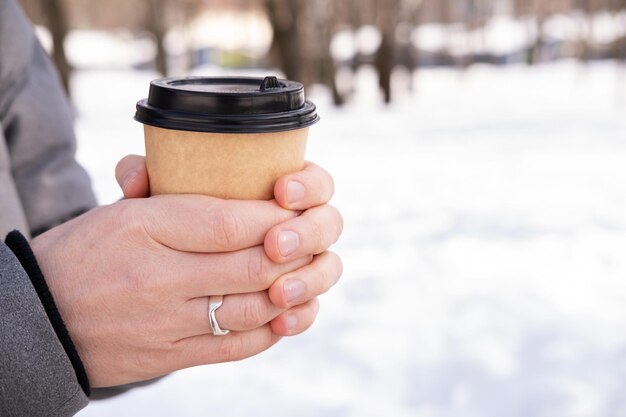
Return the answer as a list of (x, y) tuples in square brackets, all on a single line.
[(132, 176), (196, 223), (207, 349), (308, 282), (296, 320), (239, 312), (304, 189), (245, 271), (311, 233)]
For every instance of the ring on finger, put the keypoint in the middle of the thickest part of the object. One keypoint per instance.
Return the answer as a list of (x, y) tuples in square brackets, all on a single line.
[(215, 302)]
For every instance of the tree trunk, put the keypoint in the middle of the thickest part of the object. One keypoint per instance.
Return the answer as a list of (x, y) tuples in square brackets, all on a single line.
[(56, 17), (384, 65), (284, 16), (416, 20), (536, 52), (156, 25), (387, 15), (622, 41), (326, 21)]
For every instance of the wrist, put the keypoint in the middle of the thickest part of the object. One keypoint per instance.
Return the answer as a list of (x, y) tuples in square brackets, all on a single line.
[(23, 252)]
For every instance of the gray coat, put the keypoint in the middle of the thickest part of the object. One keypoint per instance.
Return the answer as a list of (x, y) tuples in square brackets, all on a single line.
[(41, 185)]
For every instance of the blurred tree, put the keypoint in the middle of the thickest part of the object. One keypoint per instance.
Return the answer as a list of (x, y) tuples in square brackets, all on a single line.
[(53, 15), (286, 16), (156, 24), (407, 55), (303, 31), (387, 21), (325, 19)]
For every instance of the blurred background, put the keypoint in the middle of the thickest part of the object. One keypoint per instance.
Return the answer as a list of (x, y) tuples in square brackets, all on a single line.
[(479, 153)]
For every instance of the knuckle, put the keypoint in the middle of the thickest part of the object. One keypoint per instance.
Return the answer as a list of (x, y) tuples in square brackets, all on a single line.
[(137, 223), (252, 313), (336, 221), (328, 272), (326, 227), (231, 349), (333, 261), (325, 276), (318, 232), (258, 269), (340, 222), (227, 228)]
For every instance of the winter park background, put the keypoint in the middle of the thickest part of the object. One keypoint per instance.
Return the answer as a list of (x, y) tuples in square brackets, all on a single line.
[(484, 253), (484, 246)]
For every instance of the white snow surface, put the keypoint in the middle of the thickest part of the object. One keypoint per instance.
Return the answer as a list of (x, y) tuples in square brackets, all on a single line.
[(484, 252)]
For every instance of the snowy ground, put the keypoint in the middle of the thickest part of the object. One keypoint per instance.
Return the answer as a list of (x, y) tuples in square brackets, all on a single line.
[(484, 250)]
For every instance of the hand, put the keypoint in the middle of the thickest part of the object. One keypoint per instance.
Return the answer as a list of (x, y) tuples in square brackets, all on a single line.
[(311, 233), (131, 282)]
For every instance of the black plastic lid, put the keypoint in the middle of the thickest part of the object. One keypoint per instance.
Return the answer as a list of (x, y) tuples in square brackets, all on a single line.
[(226, 104)]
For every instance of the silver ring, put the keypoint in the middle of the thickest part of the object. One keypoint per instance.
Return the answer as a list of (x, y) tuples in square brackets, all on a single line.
[(215, 302)]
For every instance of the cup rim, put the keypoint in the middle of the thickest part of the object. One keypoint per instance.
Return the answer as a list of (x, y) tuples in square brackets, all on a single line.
[(226, 105)]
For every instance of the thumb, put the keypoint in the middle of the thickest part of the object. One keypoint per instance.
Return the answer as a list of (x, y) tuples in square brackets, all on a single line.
[(132, 176)]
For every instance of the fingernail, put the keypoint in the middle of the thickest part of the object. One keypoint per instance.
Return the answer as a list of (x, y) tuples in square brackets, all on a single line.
[(292, 322), (128, 178), (288, 242), (295, 192), (294, 289)]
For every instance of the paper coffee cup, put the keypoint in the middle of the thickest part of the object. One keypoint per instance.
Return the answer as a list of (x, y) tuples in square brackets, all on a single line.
[(224, 137)]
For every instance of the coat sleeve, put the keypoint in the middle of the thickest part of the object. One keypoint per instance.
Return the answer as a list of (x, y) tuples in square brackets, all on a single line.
[(37, 123), (36, 376), (41, 185)]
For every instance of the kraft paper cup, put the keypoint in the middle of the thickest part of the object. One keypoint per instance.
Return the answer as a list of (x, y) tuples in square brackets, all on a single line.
[(232, 166), (230, 138)]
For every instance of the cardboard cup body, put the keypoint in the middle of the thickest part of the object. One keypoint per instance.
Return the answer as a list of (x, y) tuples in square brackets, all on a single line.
[(242, 166)]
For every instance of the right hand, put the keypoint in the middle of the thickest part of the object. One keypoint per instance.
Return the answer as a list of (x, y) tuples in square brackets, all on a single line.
[(131, 282)]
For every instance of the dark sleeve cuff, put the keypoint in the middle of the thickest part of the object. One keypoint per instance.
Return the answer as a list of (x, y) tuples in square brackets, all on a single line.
[(23, 252)]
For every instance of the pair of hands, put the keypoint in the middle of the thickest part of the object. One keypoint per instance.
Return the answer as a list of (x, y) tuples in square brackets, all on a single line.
[(132, 279)]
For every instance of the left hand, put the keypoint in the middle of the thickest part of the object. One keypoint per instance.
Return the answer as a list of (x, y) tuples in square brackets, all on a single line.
[(309, 191)]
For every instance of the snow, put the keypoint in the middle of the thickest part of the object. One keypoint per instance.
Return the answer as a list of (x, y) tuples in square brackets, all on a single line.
[(503, 35), (565, 27), (430, 37), (120, 49), (484, 251), (231, 31), (607, 28)]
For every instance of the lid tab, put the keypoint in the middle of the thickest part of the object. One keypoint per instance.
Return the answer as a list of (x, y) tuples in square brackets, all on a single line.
[(270, 83)]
